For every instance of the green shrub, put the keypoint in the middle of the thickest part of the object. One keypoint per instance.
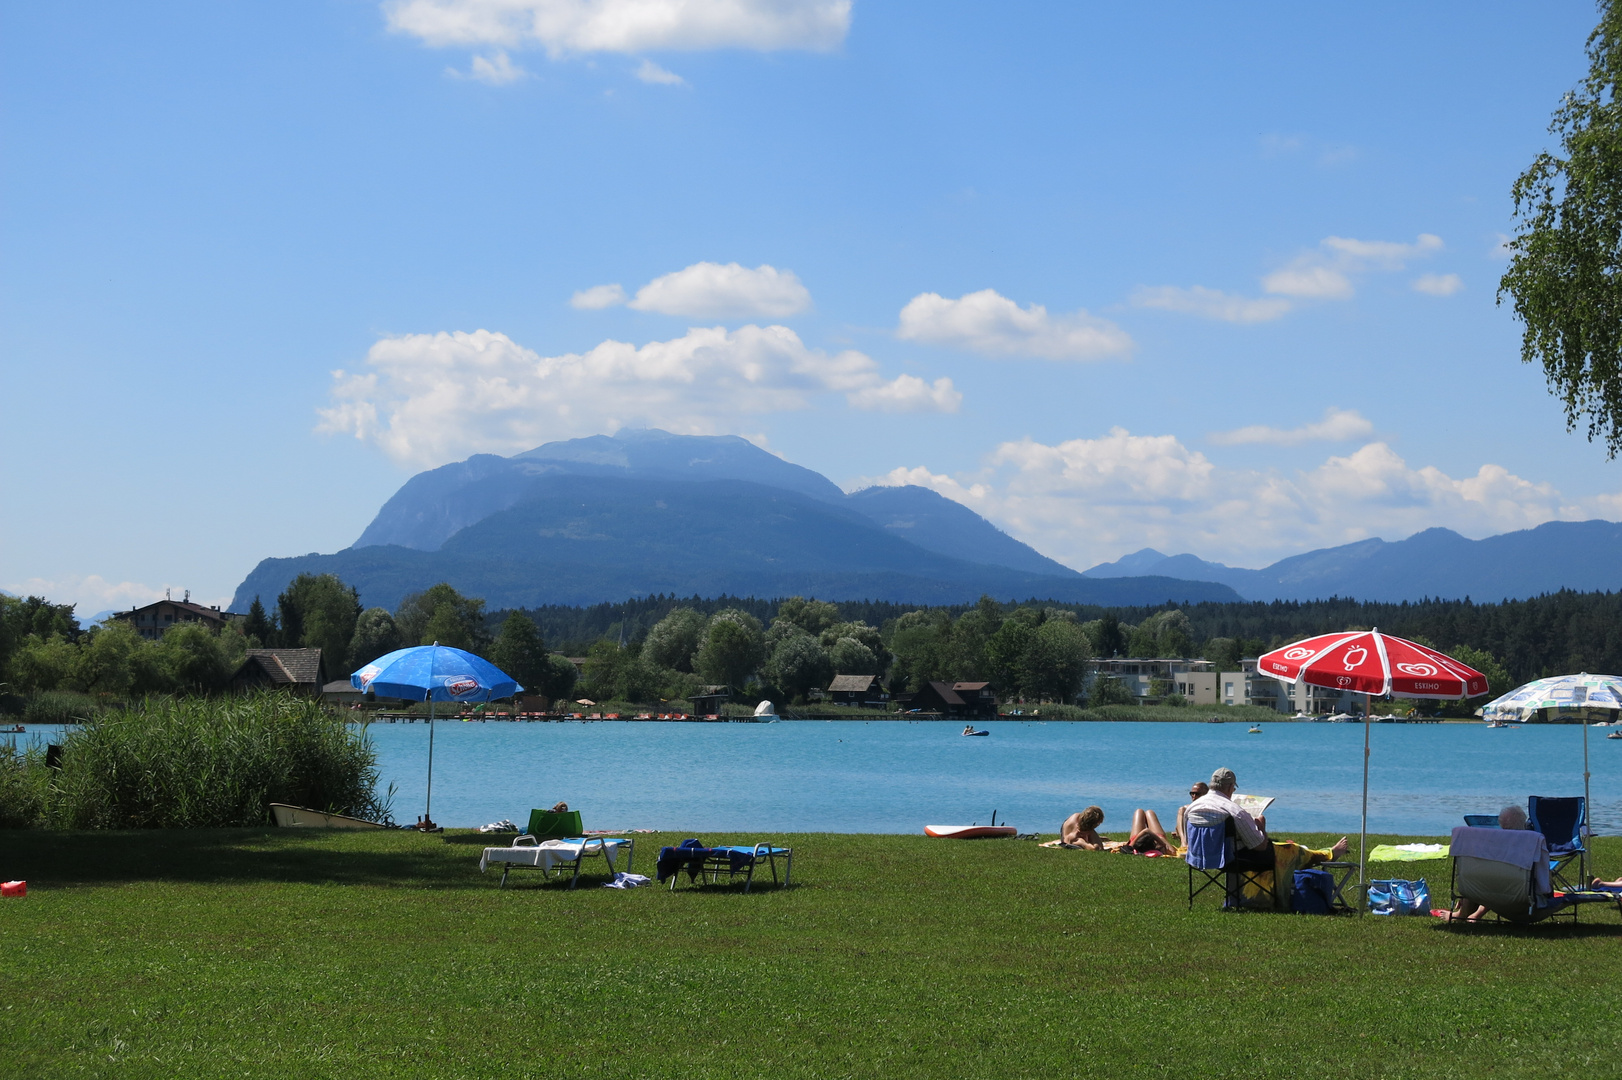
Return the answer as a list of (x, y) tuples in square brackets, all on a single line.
[(58, 707), (24, 782), (196, 762)]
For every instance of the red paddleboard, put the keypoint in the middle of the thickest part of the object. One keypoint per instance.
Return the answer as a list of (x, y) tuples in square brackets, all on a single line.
[(969, 832)]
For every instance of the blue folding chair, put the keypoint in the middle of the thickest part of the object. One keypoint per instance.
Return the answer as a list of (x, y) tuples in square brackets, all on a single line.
[(1211, 855), (1563, 823)]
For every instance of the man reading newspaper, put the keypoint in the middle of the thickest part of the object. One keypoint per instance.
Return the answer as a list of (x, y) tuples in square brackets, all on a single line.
[(1251, 849)]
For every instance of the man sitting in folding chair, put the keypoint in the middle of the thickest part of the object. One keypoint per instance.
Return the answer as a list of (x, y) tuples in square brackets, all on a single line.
[(1224, 838)]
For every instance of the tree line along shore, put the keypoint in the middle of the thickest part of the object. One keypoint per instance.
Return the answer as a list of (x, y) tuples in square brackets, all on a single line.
[(655, 653)]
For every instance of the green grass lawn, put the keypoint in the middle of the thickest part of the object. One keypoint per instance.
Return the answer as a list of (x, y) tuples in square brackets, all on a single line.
[(265, 953)]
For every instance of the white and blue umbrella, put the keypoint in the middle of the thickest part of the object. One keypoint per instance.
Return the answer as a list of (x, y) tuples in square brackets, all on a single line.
[(1563, 693), (434, 673)]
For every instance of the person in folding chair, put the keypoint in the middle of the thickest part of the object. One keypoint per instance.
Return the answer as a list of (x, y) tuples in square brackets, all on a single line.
[(1224, 838)]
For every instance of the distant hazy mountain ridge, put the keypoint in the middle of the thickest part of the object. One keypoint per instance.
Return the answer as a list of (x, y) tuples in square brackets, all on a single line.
[(1581, 555), (643, 512)]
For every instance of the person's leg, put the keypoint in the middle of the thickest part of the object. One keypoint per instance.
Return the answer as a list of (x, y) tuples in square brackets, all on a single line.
[(1151, 825)]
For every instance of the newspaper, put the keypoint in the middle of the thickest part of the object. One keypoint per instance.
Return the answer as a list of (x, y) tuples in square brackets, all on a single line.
[(1254, 805)]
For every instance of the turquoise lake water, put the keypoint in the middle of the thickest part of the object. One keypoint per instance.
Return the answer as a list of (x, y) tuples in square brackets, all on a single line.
[(898, 776)]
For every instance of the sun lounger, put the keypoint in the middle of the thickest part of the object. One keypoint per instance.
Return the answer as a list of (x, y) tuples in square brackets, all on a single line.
[(706, 865), (559, 854), (1507, 871)]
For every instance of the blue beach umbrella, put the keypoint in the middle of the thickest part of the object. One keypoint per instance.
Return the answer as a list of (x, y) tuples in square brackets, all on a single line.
[(434, 673)]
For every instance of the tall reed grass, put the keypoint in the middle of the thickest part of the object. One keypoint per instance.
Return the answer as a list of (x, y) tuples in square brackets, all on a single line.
[(197, 763)]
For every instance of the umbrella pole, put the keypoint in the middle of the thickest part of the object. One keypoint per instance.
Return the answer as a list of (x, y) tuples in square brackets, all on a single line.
[(427, 812), (1588, 805), (1363, 830)]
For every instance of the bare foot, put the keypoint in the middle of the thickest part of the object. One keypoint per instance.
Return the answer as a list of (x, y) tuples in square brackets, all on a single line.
[(1338, 852)]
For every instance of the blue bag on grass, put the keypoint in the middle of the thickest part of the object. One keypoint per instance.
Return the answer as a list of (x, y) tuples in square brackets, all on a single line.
[(1314, 893), (1399, 897)]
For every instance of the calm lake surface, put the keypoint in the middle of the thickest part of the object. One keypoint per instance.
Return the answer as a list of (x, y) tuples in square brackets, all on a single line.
[(898, 776)]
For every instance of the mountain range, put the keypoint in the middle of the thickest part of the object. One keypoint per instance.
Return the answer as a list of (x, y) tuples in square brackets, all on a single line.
[(1580, 555), (643, 512)]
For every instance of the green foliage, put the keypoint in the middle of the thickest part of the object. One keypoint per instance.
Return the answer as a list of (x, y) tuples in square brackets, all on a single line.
[(44, 663), (1498, 681), (519, 651), (1166, 634), (1565, 276), (559, 678), (375, 635), (317, 611), (210, 763), (1108, 690), (440, 613), (676, 639), (1055, 661), (258, 627), (733, 650), (812, 616), (798, 663), (852, 656), (626, 675), (59, 707), (24, 786)]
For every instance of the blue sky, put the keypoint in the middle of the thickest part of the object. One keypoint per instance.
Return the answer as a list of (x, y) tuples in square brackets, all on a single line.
[(1218, 281)]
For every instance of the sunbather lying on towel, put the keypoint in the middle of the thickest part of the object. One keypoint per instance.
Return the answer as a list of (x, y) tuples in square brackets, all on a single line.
[(1080, 830)]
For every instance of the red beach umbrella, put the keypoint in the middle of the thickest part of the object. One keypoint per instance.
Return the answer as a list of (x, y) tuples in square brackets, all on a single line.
[(1373, 664), (1369, 662)]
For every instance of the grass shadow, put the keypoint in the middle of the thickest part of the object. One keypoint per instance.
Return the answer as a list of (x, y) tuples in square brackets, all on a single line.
[(218, 856)]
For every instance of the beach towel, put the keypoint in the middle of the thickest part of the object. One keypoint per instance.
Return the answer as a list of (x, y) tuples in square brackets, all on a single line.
[(622, 880), (1407, 852)]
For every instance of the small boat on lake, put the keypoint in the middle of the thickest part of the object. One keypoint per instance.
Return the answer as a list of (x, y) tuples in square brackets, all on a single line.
[(1254, 730), (973, 731), (302, 817), (1615, 735)]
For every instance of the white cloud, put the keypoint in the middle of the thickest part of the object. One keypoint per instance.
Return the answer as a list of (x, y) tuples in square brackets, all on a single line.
[(495, 70), (1210, 303), (1384, 254), (714, 290), (1337, 425), (1310, 281), (1438, 284), (993, 325), (650, 72), (597, 297), (623, 26), (908, 393), (1325, 274), (1501, 248), (432, 398), (1085, 501), (94, 593)]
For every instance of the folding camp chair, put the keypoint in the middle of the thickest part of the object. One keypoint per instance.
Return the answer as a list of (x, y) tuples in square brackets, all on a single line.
[(1562, 821), (1507, 870), (1482, 821), (1212, 855)]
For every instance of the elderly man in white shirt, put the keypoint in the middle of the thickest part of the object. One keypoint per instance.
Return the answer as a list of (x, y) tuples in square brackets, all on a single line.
[(1252, 851)]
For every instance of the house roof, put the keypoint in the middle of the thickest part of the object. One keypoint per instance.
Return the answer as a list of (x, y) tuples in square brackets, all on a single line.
[(339, 686), (971, 686), (945, 692), (851, 683), (297, 667), (711, 691), (214, 614)]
